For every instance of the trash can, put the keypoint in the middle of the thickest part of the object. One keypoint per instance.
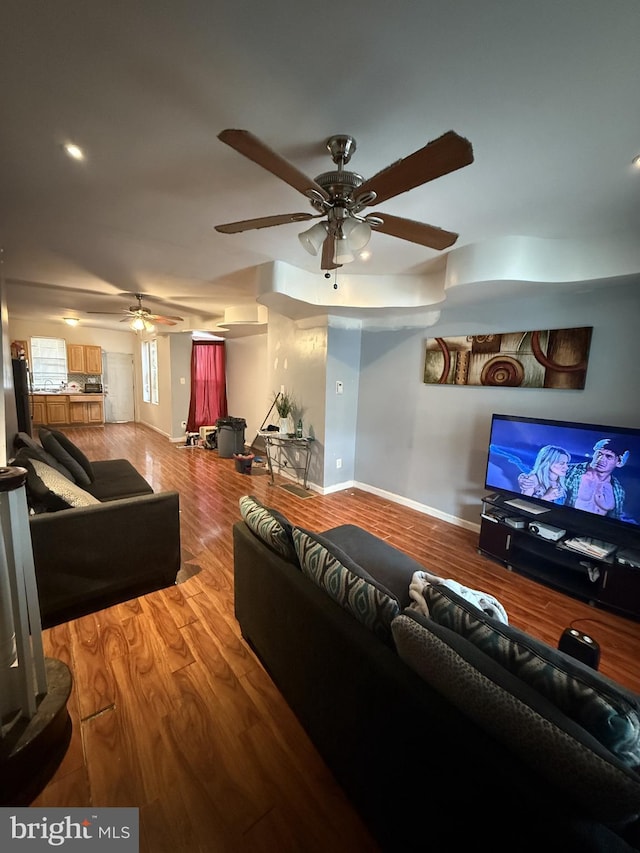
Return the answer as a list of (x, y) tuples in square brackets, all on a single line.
[(243, 462), (230, 436)]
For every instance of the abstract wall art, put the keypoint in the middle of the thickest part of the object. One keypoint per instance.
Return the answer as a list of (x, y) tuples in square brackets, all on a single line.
[(553, 358)]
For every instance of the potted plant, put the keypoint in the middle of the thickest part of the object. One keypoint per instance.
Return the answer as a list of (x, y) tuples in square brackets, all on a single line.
[(284, 406)]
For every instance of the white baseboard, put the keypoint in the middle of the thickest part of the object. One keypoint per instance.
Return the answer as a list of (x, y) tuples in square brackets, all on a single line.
[(419, 507), (398, 499)]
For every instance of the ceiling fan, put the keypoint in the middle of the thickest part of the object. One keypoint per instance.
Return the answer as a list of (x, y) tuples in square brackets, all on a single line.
[(341, 196), (140, 318)]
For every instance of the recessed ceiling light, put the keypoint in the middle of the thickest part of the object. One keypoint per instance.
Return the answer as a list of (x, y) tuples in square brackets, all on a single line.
[(636, 161), (73, 151)]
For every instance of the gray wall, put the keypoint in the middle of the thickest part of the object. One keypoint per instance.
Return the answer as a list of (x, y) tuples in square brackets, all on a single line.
[(343, 364), (427, 443)]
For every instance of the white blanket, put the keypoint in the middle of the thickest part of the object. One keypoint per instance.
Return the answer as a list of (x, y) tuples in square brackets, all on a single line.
[(482, 600)]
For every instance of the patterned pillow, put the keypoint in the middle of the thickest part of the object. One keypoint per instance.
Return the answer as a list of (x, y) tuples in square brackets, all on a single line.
[(39, 497), (347, 583), (269, 525), (529, 725), (602, 707), (69, 492)]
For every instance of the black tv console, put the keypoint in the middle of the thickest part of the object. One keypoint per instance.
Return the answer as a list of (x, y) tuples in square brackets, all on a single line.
[(610, 581)]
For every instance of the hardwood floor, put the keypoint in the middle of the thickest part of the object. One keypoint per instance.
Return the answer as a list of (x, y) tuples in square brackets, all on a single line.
[(173, 714)]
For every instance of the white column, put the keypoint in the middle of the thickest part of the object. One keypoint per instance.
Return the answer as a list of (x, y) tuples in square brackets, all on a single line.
[(22, 666)]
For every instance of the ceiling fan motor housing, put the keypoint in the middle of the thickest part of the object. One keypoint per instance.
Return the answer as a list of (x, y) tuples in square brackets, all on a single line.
[(339, 185)]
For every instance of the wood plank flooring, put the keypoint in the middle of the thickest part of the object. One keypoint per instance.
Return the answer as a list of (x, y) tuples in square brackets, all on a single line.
[(173, 714)]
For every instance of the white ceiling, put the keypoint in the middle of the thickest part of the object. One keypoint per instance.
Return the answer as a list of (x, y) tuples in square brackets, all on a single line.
[(547, 93)]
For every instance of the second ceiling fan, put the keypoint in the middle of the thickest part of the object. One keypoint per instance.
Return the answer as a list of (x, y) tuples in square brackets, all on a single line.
[(340, 197)]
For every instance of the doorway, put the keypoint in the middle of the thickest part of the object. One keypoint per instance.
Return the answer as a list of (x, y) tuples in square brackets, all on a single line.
[(118, 388)]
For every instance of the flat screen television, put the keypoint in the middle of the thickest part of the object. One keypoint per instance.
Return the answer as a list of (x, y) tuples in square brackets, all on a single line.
[(589, 468)]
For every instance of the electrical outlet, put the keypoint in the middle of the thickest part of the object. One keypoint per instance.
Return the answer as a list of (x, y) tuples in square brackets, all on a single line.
[(339, 387), (338, 463), (184, 424)]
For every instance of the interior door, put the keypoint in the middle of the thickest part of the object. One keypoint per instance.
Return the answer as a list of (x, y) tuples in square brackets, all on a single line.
[(118, 387)]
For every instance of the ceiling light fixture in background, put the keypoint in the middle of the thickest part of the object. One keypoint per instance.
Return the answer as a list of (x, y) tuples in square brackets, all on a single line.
[(71, 321), (139, 324), (73, 151)]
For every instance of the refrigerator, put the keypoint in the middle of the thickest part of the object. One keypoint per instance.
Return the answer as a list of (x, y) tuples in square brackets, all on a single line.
[(22, 389)]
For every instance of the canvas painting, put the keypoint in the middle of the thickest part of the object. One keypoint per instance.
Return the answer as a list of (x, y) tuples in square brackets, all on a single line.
[(553, 358)]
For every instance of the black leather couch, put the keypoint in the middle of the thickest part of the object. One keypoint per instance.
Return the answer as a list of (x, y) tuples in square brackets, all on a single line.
[(124, 543), (422, 773)]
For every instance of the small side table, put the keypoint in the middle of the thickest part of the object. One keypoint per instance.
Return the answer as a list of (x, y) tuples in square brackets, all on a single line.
[(285, 443)]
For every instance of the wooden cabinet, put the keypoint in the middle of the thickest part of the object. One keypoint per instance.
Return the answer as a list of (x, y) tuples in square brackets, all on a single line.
[(83, 358), (93, 360), (57, 409), (38, 411), (67, 409), (86, 409), (20, 349), (75, 358)]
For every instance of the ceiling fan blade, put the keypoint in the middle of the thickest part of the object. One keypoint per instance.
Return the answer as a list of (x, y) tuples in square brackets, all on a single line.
[(250, 146), (439, 157), (161, 317), (164, 321), (414, 232), (328, 249), (263, 222), (114, 313)]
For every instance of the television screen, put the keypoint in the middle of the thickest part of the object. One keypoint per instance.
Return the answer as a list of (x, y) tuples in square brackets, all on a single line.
[(588, 467)]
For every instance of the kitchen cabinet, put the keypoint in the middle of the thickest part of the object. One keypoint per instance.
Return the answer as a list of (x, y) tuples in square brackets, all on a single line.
[(83, 358), (57, 410), (93, 360), (20, 349), (38, 411), (86, 409)]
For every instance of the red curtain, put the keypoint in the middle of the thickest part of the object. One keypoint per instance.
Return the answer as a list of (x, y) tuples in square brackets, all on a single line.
[(208, 384)]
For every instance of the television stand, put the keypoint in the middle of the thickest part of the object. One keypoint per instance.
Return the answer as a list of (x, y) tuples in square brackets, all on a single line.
[(526, 506), (608, 580)]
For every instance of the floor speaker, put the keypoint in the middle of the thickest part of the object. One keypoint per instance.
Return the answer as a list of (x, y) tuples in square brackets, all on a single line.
[(580, 646)]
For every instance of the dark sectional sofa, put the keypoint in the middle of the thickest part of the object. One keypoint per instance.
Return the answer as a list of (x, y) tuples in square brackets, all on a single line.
[(99, 533), (439, 743)]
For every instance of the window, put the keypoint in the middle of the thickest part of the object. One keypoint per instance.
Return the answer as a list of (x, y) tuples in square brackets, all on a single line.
[(48, 363), (150, 371)]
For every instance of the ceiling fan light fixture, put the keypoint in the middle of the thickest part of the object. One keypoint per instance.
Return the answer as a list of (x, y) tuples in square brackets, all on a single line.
[(358, 233), (313, 238), (342, 253), (137, 324)]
